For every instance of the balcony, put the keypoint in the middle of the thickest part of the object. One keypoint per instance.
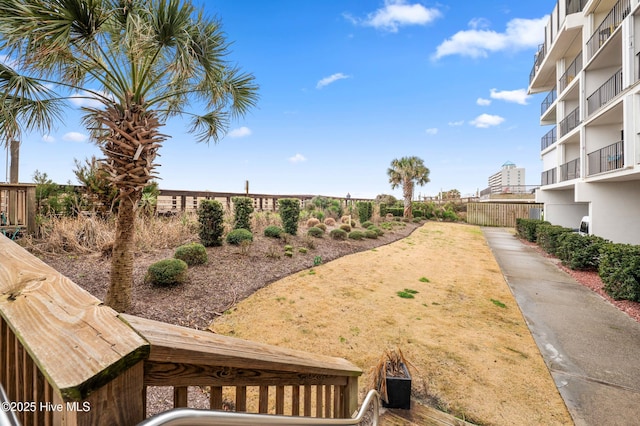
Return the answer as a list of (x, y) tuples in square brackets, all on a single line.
[(607, 27), (570, 122), (549, 139), (575, 6), (609, 90), (606, 159), (537, 61), (548, 101), (570, 170), (548, 177), (571, 72)]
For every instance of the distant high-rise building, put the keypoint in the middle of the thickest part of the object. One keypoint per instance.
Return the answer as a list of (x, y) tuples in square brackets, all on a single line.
[(510, 179)]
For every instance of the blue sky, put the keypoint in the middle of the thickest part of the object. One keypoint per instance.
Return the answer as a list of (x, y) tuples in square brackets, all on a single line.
[(346, 86)]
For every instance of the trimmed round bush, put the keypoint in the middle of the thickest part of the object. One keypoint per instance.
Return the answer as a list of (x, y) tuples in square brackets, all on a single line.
[(192, 254), (356, 235), (167, 272), (273, 231), (322, 226), (345, 219), (367, 224), (315, 232), (237, 236), (345, 227), (377, 230), (330, 221), (370, 233), (338, 234), (312, 222)]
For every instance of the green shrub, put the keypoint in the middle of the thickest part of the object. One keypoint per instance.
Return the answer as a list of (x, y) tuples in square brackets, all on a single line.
[(528, 228), (548, 235), (581, 252), (273, 231), (237, 236), (303, 250), (338, 234), (449, 216), (318, 215), (167, 272), (322, 226), (211, 219), (345, 227), (356, 235), (289, 209), (365, 210), (620, 271), (315, 232), (419, 219), (192, 254), (288, 253), (242, 207), (366, 224), (370, 233), (377, 230)]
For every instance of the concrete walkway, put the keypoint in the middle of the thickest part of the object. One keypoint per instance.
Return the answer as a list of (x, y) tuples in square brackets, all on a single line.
[(591, 348)]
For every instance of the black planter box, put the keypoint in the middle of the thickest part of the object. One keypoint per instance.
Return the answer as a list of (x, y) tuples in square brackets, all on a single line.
[(399, 391)]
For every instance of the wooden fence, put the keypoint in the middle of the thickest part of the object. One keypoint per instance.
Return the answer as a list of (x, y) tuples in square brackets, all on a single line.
[(499, 214), (67, 359)]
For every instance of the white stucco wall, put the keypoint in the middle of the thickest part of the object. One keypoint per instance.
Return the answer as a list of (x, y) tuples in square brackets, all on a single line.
[(561, 209)]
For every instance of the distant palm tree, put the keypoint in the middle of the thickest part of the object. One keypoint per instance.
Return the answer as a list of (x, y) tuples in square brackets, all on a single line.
[(406, 172), (143, 61)]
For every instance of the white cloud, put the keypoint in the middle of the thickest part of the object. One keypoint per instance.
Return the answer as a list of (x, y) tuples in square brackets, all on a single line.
[(298, 158), (484, 121), (48, 139), (397, 13), (74, 137), (456, 123), (86, 99), (518, 96), (331, 79), (483, 102), (478, 42), (240, 132), (432, 131)]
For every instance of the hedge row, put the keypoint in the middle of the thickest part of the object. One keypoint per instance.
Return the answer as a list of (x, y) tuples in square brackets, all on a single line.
[(617, 264)]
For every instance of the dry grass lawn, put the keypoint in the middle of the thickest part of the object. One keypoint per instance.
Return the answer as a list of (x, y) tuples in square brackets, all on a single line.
[(463, 332)]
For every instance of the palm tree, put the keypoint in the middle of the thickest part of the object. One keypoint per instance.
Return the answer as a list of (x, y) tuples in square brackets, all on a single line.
[(406, 172), (144, 61)]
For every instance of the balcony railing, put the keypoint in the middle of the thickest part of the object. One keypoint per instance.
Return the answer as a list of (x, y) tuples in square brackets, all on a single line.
[(537, 60), (608, 26), (549, 139), (575, 6), (548, 177), (609, 90), (606, 159), (570, 170), (548, 101), (570, 122), (571, 72)]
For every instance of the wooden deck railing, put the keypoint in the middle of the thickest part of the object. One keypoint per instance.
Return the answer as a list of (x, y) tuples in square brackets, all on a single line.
[(66, 359), (17, 208)]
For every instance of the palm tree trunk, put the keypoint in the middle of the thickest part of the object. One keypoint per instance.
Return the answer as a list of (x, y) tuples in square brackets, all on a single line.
[(121, 283), (407, 192)]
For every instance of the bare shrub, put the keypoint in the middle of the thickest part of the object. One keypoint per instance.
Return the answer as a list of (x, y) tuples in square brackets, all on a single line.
[(330, 221), (312, 222)]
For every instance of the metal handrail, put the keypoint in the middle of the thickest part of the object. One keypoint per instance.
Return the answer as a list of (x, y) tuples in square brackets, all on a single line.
[(7, 417), (367, 415)]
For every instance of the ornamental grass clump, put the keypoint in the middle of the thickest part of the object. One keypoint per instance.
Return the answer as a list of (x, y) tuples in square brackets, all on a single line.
[(338, 234), (315, 232), (167, 272), (191, 254)]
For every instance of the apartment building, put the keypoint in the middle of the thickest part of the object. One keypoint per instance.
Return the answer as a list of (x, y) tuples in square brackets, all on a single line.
[(509, 179), (589, 66)]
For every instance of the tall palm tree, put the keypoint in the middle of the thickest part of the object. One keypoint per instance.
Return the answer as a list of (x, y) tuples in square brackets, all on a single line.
[(407, 172), (144, 61)]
